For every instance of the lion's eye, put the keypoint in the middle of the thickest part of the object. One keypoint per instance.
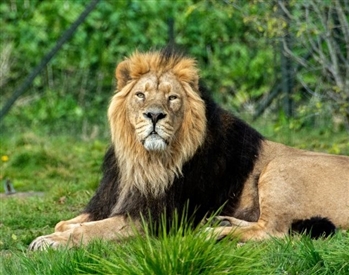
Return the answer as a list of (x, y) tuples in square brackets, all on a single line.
[(172, 97), (140, 95)]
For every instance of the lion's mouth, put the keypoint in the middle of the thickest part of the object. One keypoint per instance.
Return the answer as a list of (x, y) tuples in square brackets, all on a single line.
[(154, 142), (155, 135)]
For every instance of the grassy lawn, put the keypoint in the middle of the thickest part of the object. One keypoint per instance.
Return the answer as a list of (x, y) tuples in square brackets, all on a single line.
[(67, 170)]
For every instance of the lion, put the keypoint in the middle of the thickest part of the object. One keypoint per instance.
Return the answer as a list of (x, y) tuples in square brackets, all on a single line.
[(173, 149)]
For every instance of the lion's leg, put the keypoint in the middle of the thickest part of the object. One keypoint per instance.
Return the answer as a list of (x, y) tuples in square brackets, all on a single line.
[(270, 223), (278, 207), (114, 228), (247, 231), (240, 229), (66, 225), (264, 228)]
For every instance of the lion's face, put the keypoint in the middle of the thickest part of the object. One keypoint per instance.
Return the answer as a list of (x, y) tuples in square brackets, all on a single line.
[(155, 109)]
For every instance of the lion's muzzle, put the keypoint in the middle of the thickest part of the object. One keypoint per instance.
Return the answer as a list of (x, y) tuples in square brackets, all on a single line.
[(154, 140)]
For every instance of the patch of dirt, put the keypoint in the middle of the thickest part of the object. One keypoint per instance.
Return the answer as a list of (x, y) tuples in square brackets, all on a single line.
[(22, 195)]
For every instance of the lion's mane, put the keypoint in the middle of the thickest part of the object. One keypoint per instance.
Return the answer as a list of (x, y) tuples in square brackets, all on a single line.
[(152, 172)]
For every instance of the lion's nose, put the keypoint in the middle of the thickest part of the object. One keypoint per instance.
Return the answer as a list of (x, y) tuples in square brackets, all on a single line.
[(155, 116)]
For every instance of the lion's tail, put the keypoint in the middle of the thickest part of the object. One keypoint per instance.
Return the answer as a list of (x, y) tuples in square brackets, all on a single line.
[(315, 227)]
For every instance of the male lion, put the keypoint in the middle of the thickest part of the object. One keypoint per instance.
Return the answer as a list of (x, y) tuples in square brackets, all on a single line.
[(174, 148)]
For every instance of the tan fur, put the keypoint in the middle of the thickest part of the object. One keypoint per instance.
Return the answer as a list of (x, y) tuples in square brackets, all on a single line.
[(65, 225), (114, 228), (293, 185)]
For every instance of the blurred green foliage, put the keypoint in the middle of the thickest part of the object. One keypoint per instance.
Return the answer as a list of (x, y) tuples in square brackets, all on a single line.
[(80, 79), (236, 43)]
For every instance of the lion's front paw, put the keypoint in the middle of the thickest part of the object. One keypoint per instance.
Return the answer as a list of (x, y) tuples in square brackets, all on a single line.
[(54, 240)]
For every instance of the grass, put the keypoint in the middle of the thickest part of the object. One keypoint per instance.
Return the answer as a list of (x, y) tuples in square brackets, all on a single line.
[(67, 170)]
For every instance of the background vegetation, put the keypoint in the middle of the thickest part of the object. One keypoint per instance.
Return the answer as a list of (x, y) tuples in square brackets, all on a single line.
[(54, 137), (240, 46)]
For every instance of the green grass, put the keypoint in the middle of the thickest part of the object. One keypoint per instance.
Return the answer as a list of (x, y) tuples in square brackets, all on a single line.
[(67, 170)]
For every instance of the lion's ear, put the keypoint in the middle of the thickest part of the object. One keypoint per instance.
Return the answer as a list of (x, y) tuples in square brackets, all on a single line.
[(122, 74)]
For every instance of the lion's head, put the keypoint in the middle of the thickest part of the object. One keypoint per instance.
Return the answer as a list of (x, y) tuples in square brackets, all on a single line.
[(157, 119)]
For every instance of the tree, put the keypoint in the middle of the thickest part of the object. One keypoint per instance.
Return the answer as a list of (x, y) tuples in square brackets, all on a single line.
[(322, 29)]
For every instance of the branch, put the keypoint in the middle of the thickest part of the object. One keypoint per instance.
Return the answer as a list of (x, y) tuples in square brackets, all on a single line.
[(64, 38), (333, 66), (345, 30)]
